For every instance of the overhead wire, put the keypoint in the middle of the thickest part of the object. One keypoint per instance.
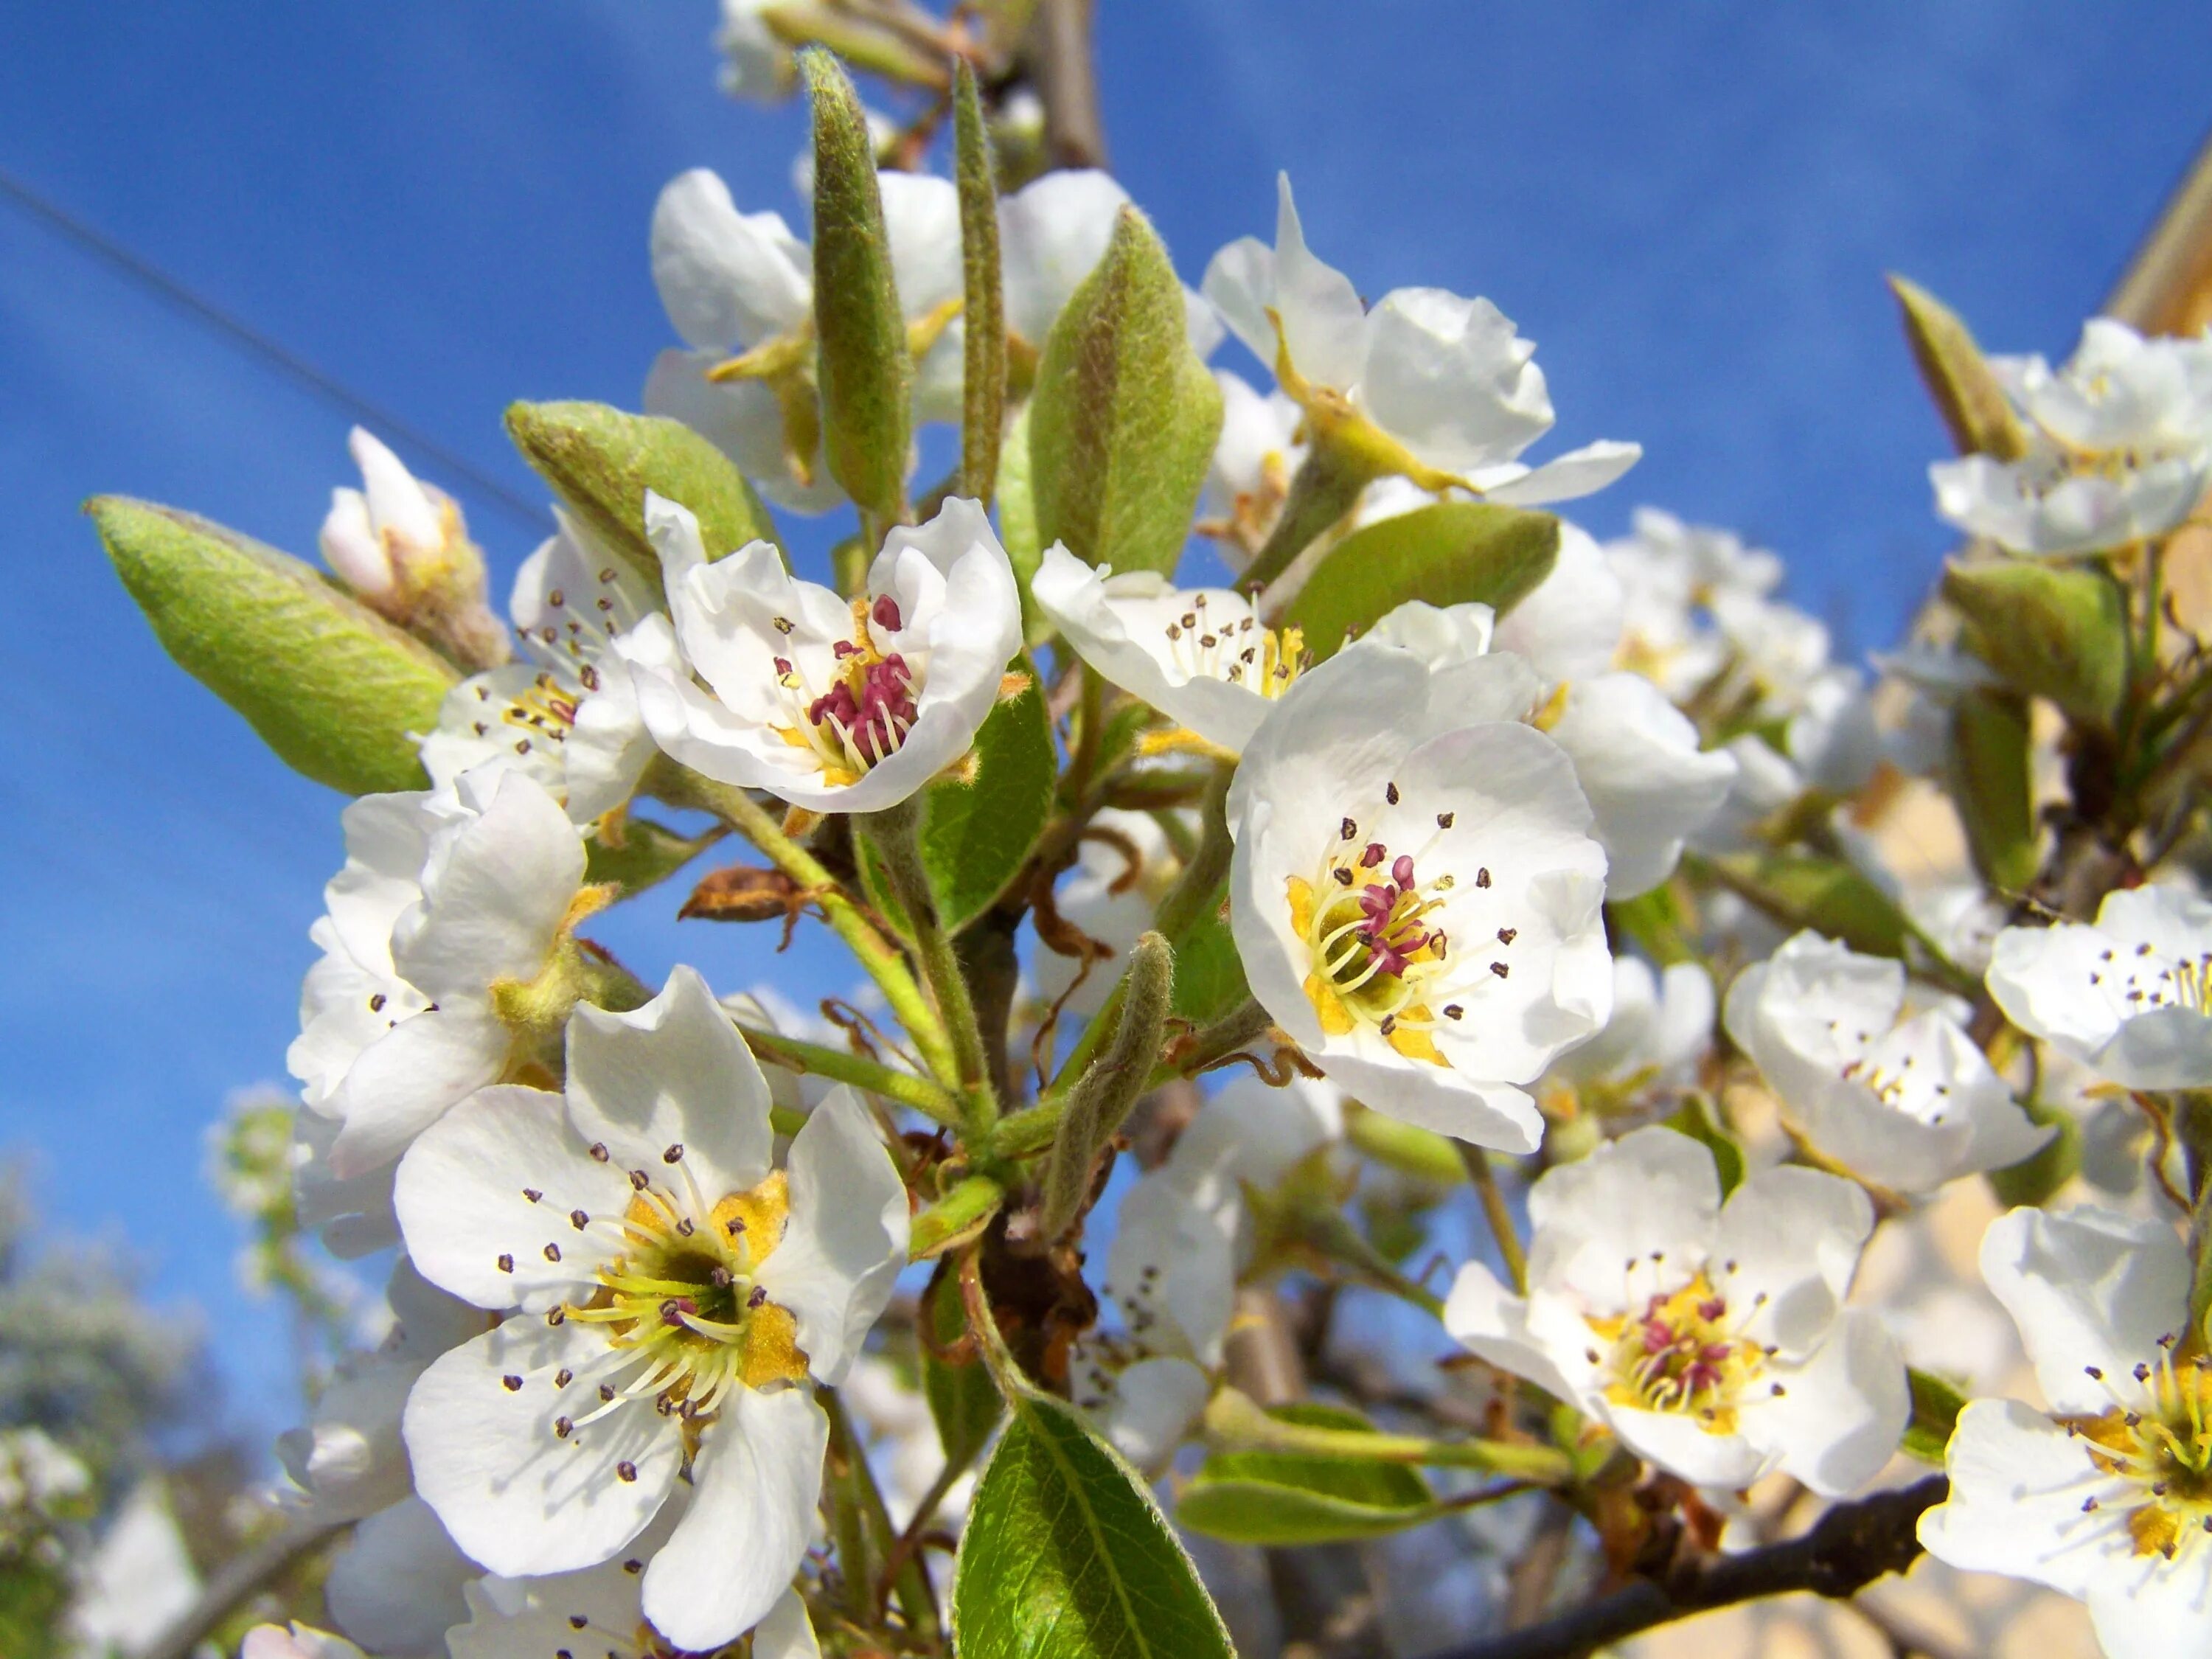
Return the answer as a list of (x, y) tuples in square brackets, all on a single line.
[(273, 352)]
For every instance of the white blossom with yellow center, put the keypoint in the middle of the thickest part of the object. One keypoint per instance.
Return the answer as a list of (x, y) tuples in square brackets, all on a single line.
[(678, 1296), (1415, 894), (2106, 1498), (836, 705), (1892, 1089), (2130, 996), (1710, 1337), (568, 715)]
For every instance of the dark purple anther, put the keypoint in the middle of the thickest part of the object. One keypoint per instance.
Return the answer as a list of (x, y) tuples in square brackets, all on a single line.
[(886, 614)]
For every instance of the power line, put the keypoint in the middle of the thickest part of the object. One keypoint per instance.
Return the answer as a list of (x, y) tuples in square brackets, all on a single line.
[(277, 355)]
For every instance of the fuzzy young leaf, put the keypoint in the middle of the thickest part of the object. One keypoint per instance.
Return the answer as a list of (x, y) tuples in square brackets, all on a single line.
[(1065, 1556), (1936, 1408), (1125, 416), (1017, 523), (334, 688), (983, 386), (1282, 1498), (1967, 396), (649, 854), (865, 373), (1209, 975), (2052, 632), (976, 835), (1452, 553), (1801, 889), (1995, 801), (601, 462)]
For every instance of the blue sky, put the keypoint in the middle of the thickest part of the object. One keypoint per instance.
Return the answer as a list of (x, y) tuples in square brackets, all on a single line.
[(1690, 208)]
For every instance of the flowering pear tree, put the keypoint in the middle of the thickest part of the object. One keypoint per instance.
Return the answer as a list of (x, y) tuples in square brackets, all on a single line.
[(1382, 1014)]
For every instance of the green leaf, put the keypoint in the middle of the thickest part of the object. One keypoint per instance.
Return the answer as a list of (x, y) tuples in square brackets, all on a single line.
[(330, 686), (2035, 1180), (866, 372), (1995, 795), (1967, 396), (983, 386), (600, 462), (650, 853), (1065, 1556), (1209, 975), (1936, 1408), (1279, 1499), (1452, 553), (1802, 890), (963, 1399), (976, 837), (2052, 631), (1656, 921), (1123, 421), (1017, 523), (1696, 1118)]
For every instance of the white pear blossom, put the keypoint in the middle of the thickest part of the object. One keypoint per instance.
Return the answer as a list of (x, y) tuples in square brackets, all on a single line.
[(1661, 1027), (401, 545), (600, 1611), (2127, 996), (1444, 382), (757, 64), (1415, 893), (569, 716), (396, 1587), (1710, 1337), (1248, 1137), (1896, 1092), (1051, 233), (1125, 866), (678, 1296), (2119, 447), (835, 705), (2107, 1498), (1169, 1271), (445, 899), (1200, 656)]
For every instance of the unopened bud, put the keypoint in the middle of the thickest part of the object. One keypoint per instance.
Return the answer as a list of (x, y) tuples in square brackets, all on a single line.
[(401, 545)]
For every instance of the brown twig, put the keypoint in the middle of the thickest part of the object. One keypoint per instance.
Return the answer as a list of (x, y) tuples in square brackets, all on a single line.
[(239, 1579), (1058, 55), (1850, 1546)]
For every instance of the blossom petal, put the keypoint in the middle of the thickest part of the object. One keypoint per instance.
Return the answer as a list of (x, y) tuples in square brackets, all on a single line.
[(1051, 233), (1324, 325), (1155, 1404), (1649, 785), (672, 1077), (496, 891), (1450, 379), (845, 1240), (1240, 285), (1678, 1442), (1836, 1419), (1789, 1242), (2090, 1290), (2018, 1480), (1565, 478), (516, 1494), (755, 1481), (1492, 1323), (1651, 1193), (396, 1587), (727, 279), (405, 1080)]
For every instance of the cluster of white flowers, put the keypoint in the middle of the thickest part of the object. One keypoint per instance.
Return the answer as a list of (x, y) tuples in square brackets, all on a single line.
[(1586, 857)]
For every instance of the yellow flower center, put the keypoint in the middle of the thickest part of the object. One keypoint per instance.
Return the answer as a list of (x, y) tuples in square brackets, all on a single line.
[(1366, 921), (1685, 1353), (2162, 1457)]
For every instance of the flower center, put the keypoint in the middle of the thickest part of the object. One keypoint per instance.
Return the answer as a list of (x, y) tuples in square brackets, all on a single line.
[(2155, 1458), (1684, 1352), (867, 707), (544, 711), (681, 1302), (2140, 980), (1240, 652)]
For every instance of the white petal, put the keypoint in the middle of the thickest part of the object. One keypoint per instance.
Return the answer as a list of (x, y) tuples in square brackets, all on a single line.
[(515, 1495), (755, 1482), (1676, 1443), (1490, 1322), (352, 547), (1170, 1269), (1794, 1237), (396, 1587), (1323, 322), (1451, 380), (2018, 1481), (2087, 1289), (1652, 1191), (397, 502), (786, 1633), (1240, 285), (1565, 478), (1570, 628), (1649, 785), (1840, 1414), (1155, 1404), (742, 419), (407, 1078), (464, 1199), (673, 1076), (847, 1238), (727, 279), (495, 895)]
